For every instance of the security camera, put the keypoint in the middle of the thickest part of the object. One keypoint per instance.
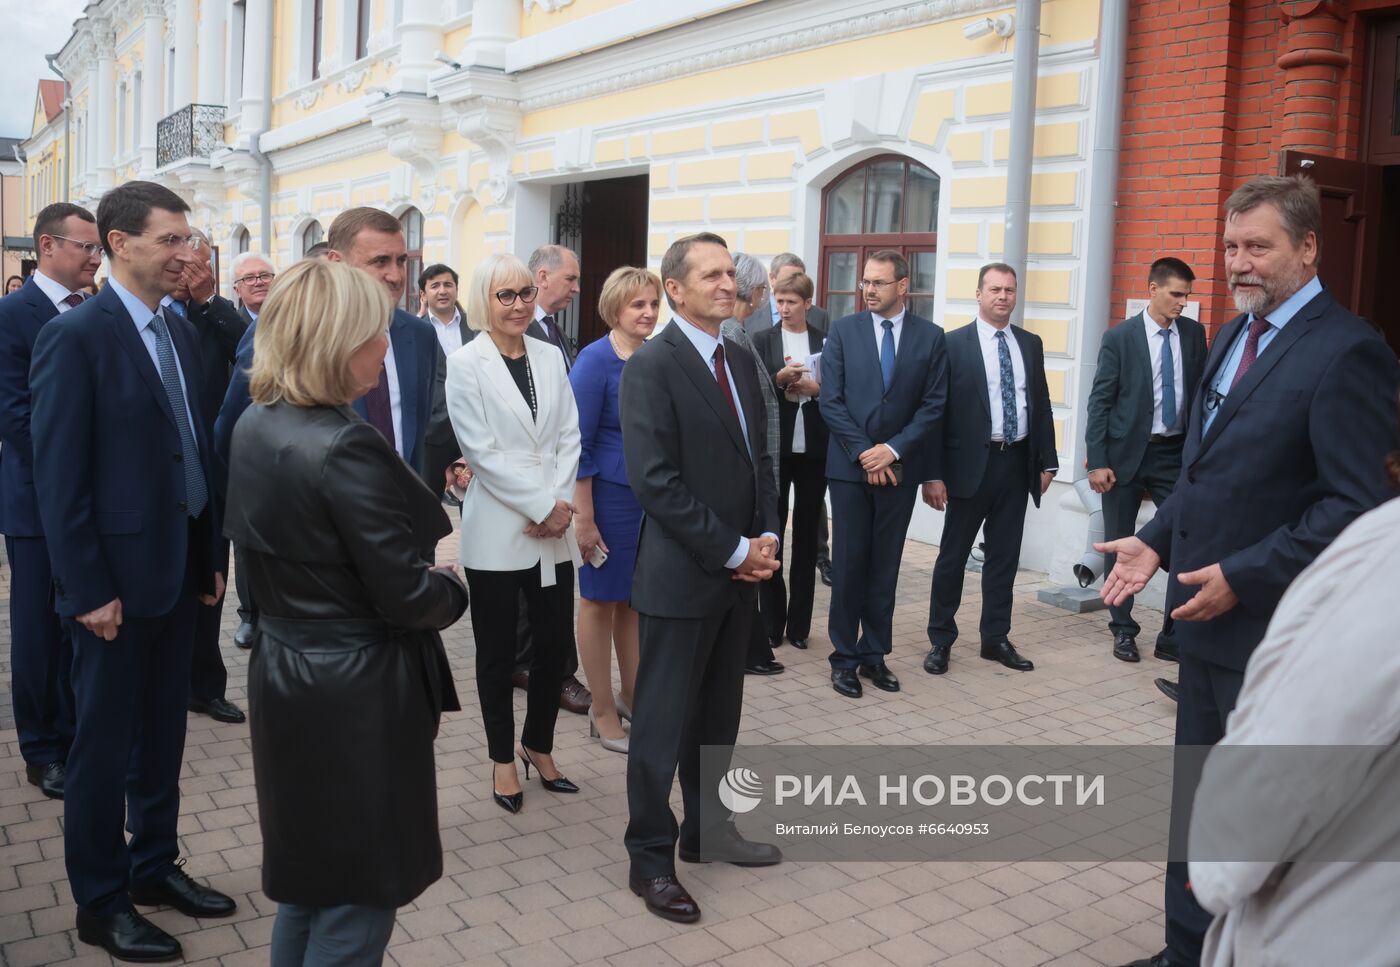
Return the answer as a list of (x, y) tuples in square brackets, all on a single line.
[(1003, 26)]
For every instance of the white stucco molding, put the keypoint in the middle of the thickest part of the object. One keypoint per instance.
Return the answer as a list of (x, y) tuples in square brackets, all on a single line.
[(412, 128), (548, 6), (486, 105)]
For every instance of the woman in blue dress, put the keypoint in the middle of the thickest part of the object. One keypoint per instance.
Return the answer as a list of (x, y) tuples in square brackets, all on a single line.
[(607, 514)]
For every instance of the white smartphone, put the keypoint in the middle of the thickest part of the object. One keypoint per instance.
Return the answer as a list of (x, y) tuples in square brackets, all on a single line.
[(599, 557)]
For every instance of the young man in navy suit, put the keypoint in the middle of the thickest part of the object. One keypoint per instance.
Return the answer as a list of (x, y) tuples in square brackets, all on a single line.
[(65, 236), (132, 543), (1285, 446), (884, 387), (998, 446)]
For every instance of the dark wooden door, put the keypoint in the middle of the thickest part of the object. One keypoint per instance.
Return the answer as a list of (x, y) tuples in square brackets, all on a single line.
[(614, 234)]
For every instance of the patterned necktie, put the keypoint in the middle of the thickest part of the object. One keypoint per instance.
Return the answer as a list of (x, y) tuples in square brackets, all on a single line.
[(722, 378), (379, 409), (1168, 382), (1008, 390), (74, 300), (887, 353), (196, 490), (179, 309), (1257, 328)]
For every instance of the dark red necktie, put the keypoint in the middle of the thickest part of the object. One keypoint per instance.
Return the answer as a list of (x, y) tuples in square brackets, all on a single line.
[(74, 300), (1257, 328), (722, 378), (378, 408)]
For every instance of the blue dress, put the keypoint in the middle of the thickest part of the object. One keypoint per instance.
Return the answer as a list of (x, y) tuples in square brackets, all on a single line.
[(596, 375)]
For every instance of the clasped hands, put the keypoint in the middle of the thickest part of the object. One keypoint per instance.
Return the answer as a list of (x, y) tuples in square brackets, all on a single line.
[(762, 561), (1136, 564), (877, 463), (553, 526), (104, 622)]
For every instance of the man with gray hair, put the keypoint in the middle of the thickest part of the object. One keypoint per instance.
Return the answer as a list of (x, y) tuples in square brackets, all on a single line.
[(782, 266), (554, 269), (252, 275), (1286, 445)]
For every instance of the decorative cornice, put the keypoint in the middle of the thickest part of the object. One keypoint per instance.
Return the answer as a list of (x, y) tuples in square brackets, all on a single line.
[(351, 80), (412, 128), (548, 6), (486, 104)]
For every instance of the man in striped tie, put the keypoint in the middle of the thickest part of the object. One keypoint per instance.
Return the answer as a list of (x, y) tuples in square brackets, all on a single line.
[(131, 538)]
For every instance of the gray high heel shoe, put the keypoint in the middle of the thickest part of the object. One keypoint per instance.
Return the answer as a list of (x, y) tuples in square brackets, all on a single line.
[(624, 711), (612, 745)]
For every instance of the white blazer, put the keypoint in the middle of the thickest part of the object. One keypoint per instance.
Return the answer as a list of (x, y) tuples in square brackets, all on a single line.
[(520, 465)]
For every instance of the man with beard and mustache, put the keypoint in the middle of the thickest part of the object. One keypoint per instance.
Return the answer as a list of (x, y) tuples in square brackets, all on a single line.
[(1285, 447)]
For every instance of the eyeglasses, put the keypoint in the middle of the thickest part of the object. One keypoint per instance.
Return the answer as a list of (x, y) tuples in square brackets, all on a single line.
[(90, 249), (876, 284), (260, 278), (1214, 398), (191, 242), (507, 297)]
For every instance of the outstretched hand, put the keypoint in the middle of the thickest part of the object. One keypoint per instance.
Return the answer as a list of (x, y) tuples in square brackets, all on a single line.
[(1134, 568)]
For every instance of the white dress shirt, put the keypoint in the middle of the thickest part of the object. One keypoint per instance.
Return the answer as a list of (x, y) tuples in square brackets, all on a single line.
[(55, 291), (796, 348), (876, 319), (391, 372), (991, 361), (449, 333), (141, 316), (1154, 351)]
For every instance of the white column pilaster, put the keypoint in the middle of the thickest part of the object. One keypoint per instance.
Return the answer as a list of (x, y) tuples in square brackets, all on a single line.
[(255, 100), (212, 78), (106, 88), (420, 38), (495, 23), (152, 81), (185, 36)]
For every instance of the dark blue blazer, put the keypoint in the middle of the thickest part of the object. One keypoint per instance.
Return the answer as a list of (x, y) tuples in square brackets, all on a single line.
[(417, 357), (1295, 454), (108, 464), (858, 411), (22, 314)]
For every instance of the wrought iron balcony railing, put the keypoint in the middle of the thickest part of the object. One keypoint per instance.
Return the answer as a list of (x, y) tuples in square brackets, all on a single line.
[(195, 131)]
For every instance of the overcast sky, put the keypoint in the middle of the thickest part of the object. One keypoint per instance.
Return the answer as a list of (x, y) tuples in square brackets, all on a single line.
[(30, 29)]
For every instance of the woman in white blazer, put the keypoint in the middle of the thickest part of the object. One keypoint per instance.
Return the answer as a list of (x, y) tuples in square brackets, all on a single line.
[(517, 424)]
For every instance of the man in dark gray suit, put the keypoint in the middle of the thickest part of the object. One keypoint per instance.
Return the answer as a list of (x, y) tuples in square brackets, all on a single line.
[(1148, 368), (554, 270), (694, 444), (783, 266)]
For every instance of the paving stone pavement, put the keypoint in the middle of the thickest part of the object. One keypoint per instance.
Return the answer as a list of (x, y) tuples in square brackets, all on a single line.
[(549, 886)]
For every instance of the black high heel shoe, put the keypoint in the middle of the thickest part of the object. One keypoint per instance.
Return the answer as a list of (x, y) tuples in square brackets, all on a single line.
[(511, 803), (562, 784)]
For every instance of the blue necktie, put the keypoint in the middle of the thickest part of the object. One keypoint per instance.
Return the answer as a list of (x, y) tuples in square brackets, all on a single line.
[(1168, 382), (887, 354), (1008, 389), (179, 309), (196, 490)]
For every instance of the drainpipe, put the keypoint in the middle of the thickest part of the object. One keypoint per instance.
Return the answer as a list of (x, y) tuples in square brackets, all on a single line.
[(67, 120), (1025, 66), (254, 144)]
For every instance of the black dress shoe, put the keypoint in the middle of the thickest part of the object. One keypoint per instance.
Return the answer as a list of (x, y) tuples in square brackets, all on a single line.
[(799, 643), (1125, 647), (936, 661), (1166, 649), (824, 572), (775, 643), (128, 936), (730, 847), (49, 778), (218, 709), (176, 889), (1156, 960), (1167, 688), (561, 784), (665, 897), (846, 683), (243, 637), (1003, 652), (520, 680), (769, 667), (880, 676)]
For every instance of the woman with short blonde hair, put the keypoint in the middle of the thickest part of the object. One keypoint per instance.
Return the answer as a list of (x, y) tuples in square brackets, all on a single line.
[(481, 291)]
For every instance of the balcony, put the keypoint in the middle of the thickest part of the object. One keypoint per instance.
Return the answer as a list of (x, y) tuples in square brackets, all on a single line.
[(196, 131)]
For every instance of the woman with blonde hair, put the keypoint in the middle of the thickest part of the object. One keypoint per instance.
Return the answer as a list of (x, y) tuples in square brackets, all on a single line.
[(517, 425), (348, 676), (608, 514)]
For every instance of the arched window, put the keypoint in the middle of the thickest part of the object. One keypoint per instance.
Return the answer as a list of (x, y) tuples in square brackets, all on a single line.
[(362, 28), (412, 222), (887, 202), (312, 234), (242, 241)]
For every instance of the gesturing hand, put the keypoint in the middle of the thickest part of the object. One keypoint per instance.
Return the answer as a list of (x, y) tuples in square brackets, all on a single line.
[(1214, 599), (1134, 568), (198, 278), (105, 621)]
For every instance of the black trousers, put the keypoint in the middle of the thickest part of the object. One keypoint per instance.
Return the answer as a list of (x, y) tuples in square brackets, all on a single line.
[(784, 612), (868, 526), (41, 656), (208, 676), (1158, 473), (495, 602), (525, 645), (690, 691), (1206, 695), (247, 609), (1000, 504)]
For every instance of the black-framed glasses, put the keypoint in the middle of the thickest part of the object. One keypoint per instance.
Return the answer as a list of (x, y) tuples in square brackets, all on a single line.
[(90, 249), (507, 297), (1214, 398), (257, 278), (876, 284)]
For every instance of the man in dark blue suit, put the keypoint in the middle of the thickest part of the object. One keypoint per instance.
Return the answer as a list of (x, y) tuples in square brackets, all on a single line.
[(1285, 447), (65, 237), (884, 376), (998, 445), (131, 539)]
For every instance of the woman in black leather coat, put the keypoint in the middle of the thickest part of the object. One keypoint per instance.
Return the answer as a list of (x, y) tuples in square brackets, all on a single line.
[(348, 675)]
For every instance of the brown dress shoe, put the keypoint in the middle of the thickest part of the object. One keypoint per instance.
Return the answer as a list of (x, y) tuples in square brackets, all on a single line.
[(520, 680), (574, 697), (665, 897)]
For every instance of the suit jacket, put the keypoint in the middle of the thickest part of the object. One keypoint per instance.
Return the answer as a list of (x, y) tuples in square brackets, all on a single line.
[(118, 528), (522, 464), (754, 324), (701, 486), (1295, 454), (732, 331), (967, 425), (538, 332), (22, 314), (1119, 419), (769, 345), (860, 413), (220, 328)]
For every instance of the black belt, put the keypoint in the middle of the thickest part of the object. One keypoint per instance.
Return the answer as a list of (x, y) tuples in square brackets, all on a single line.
[(1164, 438), (998, 446)]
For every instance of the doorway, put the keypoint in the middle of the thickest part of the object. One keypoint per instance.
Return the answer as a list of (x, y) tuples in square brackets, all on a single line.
[(605, 221)]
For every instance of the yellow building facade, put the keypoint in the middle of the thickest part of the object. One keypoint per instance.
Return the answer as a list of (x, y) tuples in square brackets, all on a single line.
[(823, 127)]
